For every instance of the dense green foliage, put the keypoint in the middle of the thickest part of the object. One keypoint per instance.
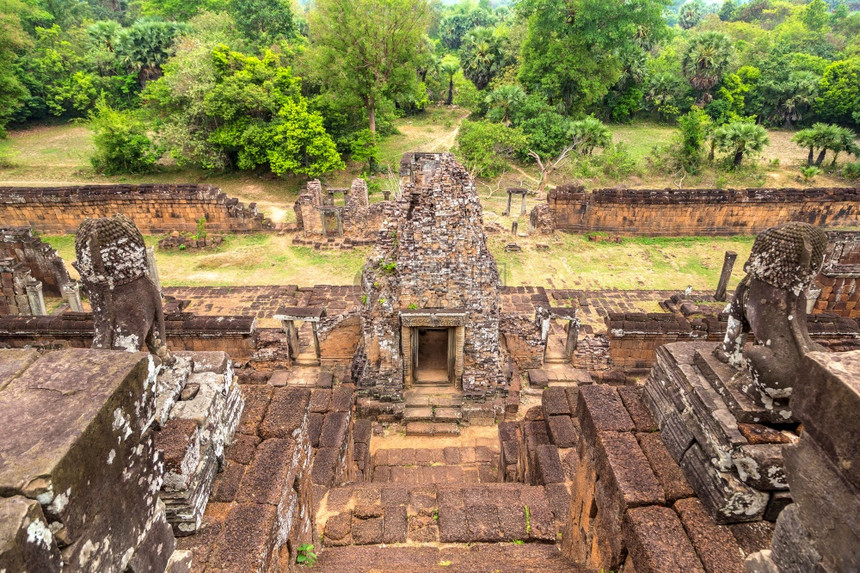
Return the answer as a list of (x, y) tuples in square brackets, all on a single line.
[(289, 88), (122, 145), (487, 147)]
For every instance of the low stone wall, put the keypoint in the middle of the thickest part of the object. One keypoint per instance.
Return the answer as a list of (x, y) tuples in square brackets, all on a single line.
[(705, 212), (634, 337), (154, 208), (234, 335)]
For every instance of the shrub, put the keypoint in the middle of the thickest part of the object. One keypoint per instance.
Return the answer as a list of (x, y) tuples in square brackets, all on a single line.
[(122, 145), (694, 128), (615, 163), (486, 148), (851, 170), (548, 133), (588, 133), (809, 172)]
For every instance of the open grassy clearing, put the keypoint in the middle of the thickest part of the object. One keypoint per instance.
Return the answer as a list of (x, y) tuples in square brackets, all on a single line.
[(59, 154), (572, 262)]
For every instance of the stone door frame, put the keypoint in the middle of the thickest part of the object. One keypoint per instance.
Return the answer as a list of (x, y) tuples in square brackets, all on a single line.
[(411, 320)]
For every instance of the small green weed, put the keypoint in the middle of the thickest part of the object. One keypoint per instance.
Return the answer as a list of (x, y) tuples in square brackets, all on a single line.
[(518, 542), (528, 519), (306, 555)]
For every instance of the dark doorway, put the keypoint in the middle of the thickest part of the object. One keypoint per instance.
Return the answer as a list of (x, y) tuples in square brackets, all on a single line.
[(432, 364)]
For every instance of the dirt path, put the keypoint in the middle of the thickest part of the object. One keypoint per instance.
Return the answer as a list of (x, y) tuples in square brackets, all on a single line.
[(447, 141)]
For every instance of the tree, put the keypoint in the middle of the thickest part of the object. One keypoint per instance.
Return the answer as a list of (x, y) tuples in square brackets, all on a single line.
[(221, 108), (367, 47), (727, 10), (263, 22), (845, 140), (706, 58), (816, 15), (449, 66), (486, 148), (179, 10), (788, 101), (13, 39), (588, 133), (503, 101), (571, 50), (461, 19), (121, 143), (548, 167), (690, 14), (839, 92), (694, 129), (823, 138), (144, 47), (740, 139), (482, 57)]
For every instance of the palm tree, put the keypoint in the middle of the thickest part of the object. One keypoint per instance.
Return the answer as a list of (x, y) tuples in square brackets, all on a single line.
[(481, 57), (825, 137), (704, 61), (844, 140), (690, 14), (589, 133), (740, 139), (503, 101), (450, 65)]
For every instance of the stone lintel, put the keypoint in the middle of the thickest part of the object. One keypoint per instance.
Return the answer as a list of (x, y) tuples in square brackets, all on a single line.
[(303, 313), (433, 317)]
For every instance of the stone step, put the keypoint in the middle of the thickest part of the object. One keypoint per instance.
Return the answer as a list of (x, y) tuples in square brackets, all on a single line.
[(479, 557), (418, 414), (369, 514), (447, 414), (432, 429)]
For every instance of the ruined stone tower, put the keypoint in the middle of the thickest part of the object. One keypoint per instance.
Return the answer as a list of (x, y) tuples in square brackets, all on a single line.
[(431, 288)]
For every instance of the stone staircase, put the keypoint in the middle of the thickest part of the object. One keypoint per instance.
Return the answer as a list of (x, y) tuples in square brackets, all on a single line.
[(433, 411)]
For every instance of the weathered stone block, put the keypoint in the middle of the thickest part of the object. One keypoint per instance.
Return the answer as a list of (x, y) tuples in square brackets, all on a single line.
[(562, 431), (829, 505), (715, 544), (286, 414), (657, 542), (334, 430), (667, 471), (794, 551), (548, 465), (601, 410), (726, 498), (554, 402), (26, 543), (247, 538), (830, 382), (265, 477), (93, 442)]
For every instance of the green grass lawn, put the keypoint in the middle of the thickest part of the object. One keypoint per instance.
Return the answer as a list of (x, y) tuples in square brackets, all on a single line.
[(572, 262), (640, 138)]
